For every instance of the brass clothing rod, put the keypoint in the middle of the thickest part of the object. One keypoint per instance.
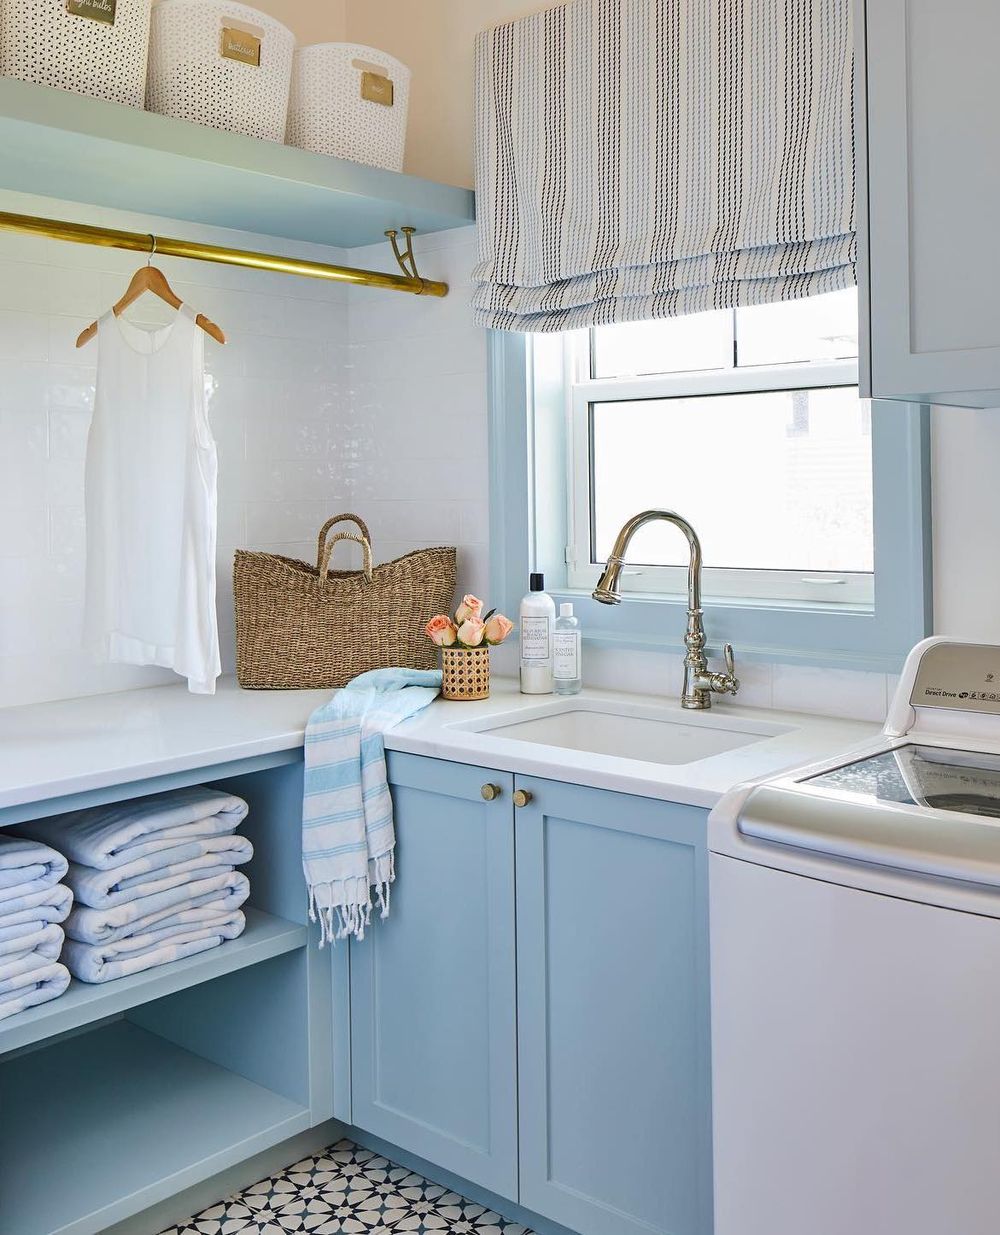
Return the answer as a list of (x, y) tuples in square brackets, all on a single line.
[(165, 246)]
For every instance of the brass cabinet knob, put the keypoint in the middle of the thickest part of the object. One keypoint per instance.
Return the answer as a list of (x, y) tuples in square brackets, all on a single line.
[(491, 792), (522, 797)]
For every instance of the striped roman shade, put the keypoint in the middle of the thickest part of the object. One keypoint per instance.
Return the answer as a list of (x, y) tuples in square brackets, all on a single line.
[(641, 159)]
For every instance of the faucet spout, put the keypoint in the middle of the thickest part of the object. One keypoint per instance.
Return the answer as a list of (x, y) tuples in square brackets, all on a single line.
[(699, 682), (608, 590)]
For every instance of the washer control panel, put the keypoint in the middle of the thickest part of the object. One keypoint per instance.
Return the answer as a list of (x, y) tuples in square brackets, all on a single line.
[(964, 677)]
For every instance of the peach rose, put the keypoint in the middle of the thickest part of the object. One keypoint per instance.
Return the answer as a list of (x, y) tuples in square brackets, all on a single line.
[(497, 628), (441, 630), (471, 607), (471, 632)]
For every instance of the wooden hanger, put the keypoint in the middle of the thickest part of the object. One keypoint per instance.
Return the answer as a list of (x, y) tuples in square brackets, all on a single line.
[(150, 278)]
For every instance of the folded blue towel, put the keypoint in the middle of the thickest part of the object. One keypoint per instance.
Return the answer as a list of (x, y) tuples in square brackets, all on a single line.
[(103, 925), (37, 987), (110, 836), (26, 866), (107, 961), (47, 940), (347, 832), (146, 876), (49, 904), (44, 953)]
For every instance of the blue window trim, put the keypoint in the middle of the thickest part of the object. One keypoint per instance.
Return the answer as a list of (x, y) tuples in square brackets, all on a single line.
[(876, 639)]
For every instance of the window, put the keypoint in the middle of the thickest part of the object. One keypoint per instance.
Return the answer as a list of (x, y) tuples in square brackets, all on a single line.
[(813, 506), (748, 423)]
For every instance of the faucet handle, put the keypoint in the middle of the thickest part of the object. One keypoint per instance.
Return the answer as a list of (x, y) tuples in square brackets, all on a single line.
[(726, 683)]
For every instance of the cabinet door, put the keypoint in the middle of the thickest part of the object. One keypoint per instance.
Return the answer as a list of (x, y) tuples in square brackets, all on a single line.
[(433, 1036), (613, 1029), (933, 179)]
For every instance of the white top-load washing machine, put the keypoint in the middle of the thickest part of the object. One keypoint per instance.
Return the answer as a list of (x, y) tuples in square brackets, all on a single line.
[(855, 910)]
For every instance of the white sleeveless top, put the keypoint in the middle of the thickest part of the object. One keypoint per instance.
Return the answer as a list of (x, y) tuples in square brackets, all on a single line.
[(152, 502)]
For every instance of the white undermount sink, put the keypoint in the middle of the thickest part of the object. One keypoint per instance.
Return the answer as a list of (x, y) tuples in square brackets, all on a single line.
[(625, 730)]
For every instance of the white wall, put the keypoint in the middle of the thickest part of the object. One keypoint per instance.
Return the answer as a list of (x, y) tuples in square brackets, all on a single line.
[(966, 454), (417, 381), (278, 405)]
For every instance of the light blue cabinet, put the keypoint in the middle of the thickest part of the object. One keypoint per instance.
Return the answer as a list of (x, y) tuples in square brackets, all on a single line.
[(613, 1027), (929, 264), (433, 1032), (576, 1081)]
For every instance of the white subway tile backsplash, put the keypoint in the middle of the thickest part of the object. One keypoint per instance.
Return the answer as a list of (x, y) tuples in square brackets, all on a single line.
[(23, 436), (23, 386), (68, 433), (829, 692), (22, 287), (23, 336)]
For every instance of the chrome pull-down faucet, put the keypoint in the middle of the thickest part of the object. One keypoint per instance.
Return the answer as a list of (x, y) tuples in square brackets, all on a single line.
[(699, 680)]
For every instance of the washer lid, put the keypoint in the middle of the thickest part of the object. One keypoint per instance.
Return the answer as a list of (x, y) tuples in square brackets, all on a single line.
[(930, 810), (930, 776)]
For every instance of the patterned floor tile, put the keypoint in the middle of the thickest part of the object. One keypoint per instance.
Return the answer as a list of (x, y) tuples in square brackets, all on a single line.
[(347, 1190)]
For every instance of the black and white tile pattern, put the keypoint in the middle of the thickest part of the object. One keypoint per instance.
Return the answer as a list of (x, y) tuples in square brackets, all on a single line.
[(347, 1190)]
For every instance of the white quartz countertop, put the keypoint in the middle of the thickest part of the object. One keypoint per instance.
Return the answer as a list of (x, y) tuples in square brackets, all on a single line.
[(72, 746)]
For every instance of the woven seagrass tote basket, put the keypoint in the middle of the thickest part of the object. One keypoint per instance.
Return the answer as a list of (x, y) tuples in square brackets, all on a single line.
[(301, 626)]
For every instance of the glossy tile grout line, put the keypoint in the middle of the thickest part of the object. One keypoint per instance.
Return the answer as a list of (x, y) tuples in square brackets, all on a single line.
[(347, 1190)]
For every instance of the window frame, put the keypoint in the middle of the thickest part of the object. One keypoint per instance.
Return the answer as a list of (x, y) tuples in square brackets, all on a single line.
[(837, 588), (528, 531)]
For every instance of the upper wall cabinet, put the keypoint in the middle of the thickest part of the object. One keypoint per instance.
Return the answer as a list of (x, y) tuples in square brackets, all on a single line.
[(931, 256)]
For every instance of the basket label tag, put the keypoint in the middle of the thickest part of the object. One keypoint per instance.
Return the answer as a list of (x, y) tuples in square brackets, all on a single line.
[(96, 10), (377, 88), (240, 45)]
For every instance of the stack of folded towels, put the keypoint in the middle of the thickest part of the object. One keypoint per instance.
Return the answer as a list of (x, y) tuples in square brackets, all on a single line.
[(32, 904), (153, 880)]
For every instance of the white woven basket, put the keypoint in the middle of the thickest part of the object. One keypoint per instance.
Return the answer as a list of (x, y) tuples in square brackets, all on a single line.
[(42, 41), (330, 111), (191, 78)]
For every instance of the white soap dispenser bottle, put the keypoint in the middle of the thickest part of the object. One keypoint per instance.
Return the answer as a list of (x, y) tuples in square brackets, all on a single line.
[(536, 616), (566, 661)]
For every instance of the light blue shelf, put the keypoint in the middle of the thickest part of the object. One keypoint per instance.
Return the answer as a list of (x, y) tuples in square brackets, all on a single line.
[(98, 1127), (70, 146), (86, 1003)]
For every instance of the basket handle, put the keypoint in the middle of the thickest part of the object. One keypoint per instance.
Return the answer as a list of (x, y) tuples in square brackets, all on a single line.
[(366, 550), (321, 542)]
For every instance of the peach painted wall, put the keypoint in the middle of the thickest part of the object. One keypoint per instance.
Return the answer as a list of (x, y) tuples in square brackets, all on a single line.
[(311, 21), (434, 38)]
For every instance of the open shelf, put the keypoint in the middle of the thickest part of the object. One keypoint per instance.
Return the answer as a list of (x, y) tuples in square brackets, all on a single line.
[(58, 144), (100, 1126), (85, 1003)]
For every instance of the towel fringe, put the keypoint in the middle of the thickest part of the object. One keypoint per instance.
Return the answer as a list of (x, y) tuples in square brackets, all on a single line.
[(344, 907)]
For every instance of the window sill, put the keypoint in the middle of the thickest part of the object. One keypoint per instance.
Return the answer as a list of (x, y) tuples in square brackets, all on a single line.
[(758, 631)]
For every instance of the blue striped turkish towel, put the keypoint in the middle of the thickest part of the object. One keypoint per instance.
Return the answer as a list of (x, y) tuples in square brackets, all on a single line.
[(30, 989), (113, 835), (191, 902), (347, 833), (35, 910), (26, 866), (103, 962), (146, 876)]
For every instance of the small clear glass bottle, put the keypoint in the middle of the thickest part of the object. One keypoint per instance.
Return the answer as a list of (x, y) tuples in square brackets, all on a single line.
[(567, 672)]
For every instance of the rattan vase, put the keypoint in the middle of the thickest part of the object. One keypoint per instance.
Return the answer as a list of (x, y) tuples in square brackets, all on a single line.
[(465, 673)]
